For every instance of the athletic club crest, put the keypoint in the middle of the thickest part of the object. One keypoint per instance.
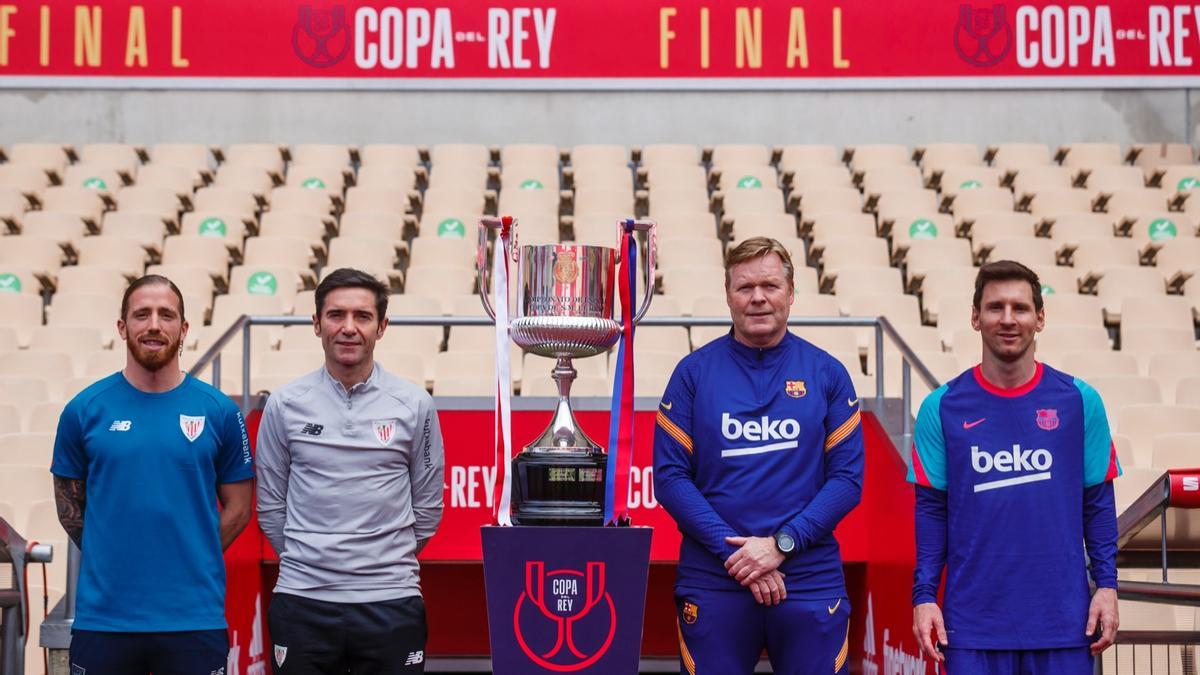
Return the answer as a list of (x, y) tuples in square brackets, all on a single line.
[(795, 388), (1047, 419), (384, 430), (280, 655), (192, 427)]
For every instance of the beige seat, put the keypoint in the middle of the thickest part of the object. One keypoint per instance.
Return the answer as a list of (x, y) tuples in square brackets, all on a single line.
[(592, 154), (1029, 180), (599, 175), (43, 417), (1187, 392), (1029, 251), (55, 367), (688, 282), (762, 200), (1014, 155), (460, 153), (805, 178), (824, 226), (116, 155), (951, 180), (330, 179), (1075, 309), (208, 253), (1178, 257), (159, 201), (77, 340), (439, 282), (1143, 343), (730, 177), (1097, 254), (50, 157), (1061, 337), (121, 253), (1176, 451), (891, 177), (527, 203), (263, 155), (1124, 202), (255, 180), (986, 229), (946, 154), (1072, 228), (862, 157), (33, 449), (968, 204), (10, 425), (392, 200), (387, 177), (322, 154), (14, 279), (1056, 280), (270, 280), (1119, 283), (893, 203), (668, 153), (1052, 202), (807, 155), (899, 308), (43, 255), (1169, 367), (837, 253), (22, 312), (928, 254), (429, 251), (1089, 154), (1120, 391), (296, 199), (826, 200), (1141, 423), (1164, 311), (1111, 177), (1157, 228), (231, 227), (223, 199), (306, 226), (1092, 364), (916, 228), (739, 153), (853, 281), (195, 156), (682, 252), (294, 252), (103, 362), (390, 154), (65, 228), (1159, 154), (145, 228), (103, 179), (944, 281), (192, 281)]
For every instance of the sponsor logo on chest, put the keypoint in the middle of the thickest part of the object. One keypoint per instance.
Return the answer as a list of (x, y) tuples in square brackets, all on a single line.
[(1031, 465), (778, 434)]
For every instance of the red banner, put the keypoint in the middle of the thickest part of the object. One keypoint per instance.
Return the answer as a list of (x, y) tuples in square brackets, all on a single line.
[(619, 44)]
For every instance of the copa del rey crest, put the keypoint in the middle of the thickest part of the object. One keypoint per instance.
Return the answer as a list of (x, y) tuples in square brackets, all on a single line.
[(384, 430), (192, 427), (1047, 419)]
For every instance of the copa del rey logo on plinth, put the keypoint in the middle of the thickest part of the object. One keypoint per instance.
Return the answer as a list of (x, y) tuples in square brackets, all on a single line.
[(554, 605)]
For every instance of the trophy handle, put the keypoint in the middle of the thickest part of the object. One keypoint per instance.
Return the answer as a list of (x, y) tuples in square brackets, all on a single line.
[(481, 264), (650, 227)]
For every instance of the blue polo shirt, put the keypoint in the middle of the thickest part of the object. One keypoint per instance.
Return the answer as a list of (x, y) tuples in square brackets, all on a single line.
[(152, 462)]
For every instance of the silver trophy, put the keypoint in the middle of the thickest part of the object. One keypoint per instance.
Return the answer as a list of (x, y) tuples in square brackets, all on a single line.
[(564, 310)]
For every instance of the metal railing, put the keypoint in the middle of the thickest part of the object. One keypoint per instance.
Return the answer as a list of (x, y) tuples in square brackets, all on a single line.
[(14, 603), (881, 326)]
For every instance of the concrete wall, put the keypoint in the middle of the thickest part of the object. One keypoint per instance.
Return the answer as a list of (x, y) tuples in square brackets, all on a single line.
[(566, 118)]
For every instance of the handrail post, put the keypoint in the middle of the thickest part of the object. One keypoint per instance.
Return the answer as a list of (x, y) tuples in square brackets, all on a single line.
[(245, 365), (879, 366), (906, 400), (216, 371)]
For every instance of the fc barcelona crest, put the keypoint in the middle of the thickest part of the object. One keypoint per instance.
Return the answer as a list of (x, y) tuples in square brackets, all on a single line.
[(1047, 419), (192, 427), (795, 388), (384, 430), (690, 613)]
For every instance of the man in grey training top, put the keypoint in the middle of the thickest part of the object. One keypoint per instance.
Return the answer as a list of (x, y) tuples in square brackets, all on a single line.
[(350, 471)]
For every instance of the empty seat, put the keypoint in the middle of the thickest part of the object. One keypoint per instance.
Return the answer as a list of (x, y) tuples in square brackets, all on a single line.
[(50, 157), (469, 154), (861, 157), (115, 155), (102, 179), (1060, 337), (1124, 202), (1097, 254), (1052, 202), (1029, 251), (1160, 154), (669, 153), (1109, 178), (263, 155), (194, 156), (1141, 423), (1119, 391), (1073, 308), (1015, 155), (954, 179), (196, 251), (1090, 364), (839, 252), (927, 254), (598, 154), (253, 180), (390, 154), (1118, 283), (226, 199), (121, 253), (988, 228), (1089, 154), (1157, 227)]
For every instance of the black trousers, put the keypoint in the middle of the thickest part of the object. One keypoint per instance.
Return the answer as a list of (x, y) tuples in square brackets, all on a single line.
[(196, 652), (313, 637)]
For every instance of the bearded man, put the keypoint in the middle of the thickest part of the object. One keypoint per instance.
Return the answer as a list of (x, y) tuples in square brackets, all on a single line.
[(140, 460)]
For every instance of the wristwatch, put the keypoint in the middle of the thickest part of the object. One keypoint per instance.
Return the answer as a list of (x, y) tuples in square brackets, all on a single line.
[(785, 543)]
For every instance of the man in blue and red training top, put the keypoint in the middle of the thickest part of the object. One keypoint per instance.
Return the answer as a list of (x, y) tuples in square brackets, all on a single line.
[(1014, 464), (757, 456)]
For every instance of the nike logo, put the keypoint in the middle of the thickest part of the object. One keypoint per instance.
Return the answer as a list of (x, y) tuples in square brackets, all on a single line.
[(968, 425), (666, 406), (835, 607), (851, 403)]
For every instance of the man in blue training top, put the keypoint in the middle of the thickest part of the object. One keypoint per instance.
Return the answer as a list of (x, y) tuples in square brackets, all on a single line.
[(758, 455), (140, 460), (1013, 464)]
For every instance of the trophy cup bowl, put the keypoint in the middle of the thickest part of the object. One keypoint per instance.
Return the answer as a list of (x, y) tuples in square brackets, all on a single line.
[(564, 311)]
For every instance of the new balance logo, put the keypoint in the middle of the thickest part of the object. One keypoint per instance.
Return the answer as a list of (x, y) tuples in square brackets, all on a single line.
[(414, 658), (313, 429), (1008, 461), (121, 425)]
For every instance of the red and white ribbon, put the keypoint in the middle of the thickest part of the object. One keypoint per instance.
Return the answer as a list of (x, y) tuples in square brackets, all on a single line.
[(502, 507)]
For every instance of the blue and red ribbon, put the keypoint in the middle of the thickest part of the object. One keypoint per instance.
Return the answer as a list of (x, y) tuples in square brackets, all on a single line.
[(620, 429)]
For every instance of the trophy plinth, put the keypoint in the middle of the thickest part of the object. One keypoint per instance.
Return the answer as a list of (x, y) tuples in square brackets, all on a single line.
[(564, 311)]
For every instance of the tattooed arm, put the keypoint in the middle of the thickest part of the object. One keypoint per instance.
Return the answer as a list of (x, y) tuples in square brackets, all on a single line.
[(71, 497)]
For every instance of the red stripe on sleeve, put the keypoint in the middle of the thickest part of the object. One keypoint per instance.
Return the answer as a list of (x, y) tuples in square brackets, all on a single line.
[(918, 469)]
